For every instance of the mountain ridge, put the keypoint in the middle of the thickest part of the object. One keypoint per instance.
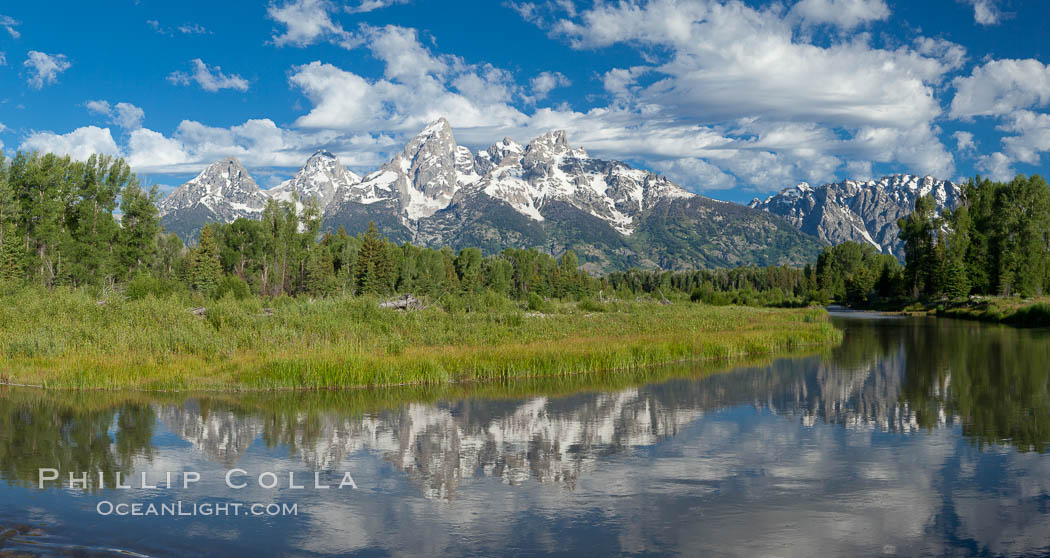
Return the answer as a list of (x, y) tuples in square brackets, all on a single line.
[(859, 211), (546, 194)]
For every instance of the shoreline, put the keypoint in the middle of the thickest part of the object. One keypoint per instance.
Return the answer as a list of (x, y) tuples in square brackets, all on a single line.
[(1012, 311), (729, 361), (334, 344)]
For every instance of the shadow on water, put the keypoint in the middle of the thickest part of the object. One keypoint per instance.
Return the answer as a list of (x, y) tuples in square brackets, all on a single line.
[(917, 383)]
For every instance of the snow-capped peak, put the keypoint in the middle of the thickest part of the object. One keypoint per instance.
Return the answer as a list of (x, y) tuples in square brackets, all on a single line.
[(224, 188), (432, 171), (321, 180), (423, 178), (863, 211), (553, 145)]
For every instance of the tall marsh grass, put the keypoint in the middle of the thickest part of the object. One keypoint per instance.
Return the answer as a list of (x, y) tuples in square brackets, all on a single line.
[(66, 339)]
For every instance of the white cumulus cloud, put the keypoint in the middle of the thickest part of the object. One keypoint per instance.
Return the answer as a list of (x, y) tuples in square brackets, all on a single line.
[(999, 87), (728, 60), (78, 144), (307, 22), (986, 12), (952, 55), (964, 142), (717, 64), (546, 82), (417, 88), (209, 78), (44, 68), (1032, 137), (125, 115), (846, 14), (695, 174), (997, 166)]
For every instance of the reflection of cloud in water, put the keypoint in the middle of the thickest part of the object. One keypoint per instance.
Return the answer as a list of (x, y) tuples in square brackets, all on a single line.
[(220, 434), (708, 465), (556, 440), (852, 454)]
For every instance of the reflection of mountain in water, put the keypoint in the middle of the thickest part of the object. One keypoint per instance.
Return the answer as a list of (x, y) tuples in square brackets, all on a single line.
[(549, 440), (220, 434), (865, 397), (557, 440), (896, 377)]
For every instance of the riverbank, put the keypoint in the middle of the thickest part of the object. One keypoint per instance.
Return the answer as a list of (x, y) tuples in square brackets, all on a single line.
[(1021, 312), (1015, 311), (68, 340)]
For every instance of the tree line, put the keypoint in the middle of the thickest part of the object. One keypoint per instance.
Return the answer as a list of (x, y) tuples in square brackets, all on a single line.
[(57, 221), (60, 226), (996, 242), (90, 224)]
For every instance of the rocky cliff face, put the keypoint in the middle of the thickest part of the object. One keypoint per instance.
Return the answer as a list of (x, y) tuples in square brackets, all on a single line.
[(222, 192), (865, 212), (319, 181), (547, 195)]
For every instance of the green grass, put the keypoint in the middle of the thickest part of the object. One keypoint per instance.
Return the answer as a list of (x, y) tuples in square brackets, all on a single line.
[(66, 339), (1023, 312)]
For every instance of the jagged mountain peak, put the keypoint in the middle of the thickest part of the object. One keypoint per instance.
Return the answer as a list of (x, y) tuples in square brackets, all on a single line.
[(421, 180), (321, 155), (230, 167), (224, 191), (546, 194), (504, 151), (863, 211), (552, 138), (551, 145), (321, 179), (437, 127), (435, 138)]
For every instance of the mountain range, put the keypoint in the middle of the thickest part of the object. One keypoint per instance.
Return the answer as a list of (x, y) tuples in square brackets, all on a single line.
[(554, 197), (546, 195), (864, 212)]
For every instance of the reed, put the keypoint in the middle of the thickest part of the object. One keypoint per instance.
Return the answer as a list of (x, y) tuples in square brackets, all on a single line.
[(66, 339)]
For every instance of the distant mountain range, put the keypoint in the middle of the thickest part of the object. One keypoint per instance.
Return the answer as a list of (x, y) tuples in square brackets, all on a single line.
[(545, 195), (864, 212), (554, 197)]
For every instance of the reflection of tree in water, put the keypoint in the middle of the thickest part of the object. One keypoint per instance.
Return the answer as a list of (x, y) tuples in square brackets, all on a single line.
[(892, 375), (995, 378), (71, 434)]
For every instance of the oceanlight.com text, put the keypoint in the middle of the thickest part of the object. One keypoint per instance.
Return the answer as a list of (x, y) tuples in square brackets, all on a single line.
[(179, 508)]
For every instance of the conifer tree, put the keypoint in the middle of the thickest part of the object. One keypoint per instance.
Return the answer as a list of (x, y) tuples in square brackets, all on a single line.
[(468, 269), (917, 231), (205, 268), (11, 256), (372, 262)]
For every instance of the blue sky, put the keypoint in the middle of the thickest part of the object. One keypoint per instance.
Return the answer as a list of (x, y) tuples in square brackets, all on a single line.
[(731, 99)]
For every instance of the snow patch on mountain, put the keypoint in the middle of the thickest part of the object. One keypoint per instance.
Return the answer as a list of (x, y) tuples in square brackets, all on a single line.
[(320, 180), (860, 211), (433, 171), (224, 188)]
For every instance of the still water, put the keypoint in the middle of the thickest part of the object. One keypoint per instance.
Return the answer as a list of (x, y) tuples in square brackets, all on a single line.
[(916, 436)]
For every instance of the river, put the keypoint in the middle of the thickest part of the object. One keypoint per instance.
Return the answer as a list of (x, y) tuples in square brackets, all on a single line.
[(915, 436)]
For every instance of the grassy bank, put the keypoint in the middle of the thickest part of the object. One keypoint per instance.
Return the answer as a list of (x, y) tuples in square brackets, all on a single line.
[(1022, 312), (67, 339)]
